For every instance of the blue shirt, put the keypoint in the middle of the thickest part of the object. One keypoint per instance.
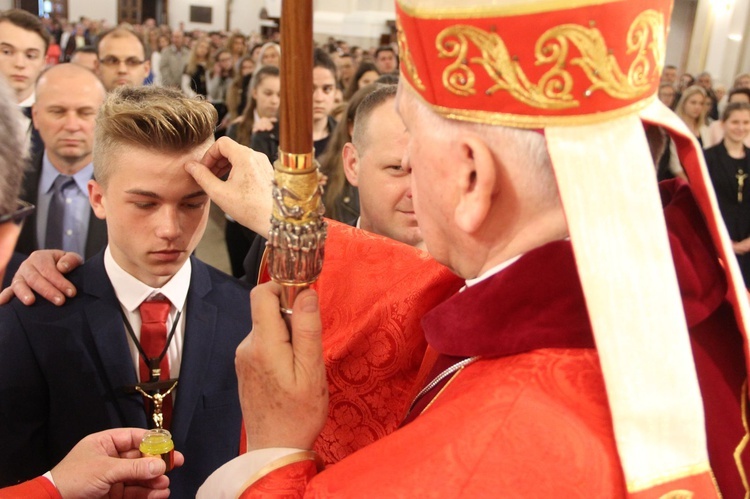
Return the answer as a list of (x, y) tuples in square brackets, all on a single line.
[(77, 210)]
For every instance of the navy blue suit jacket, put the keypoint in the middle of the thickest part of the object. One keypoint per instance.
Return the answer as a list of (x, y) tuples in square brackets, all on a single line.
[(63, 370)]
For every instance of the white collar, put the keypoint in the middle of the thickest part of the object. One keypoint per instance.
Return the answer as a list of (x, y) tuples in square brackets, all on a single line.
[(492, 271), (131, 292), (28, 101)]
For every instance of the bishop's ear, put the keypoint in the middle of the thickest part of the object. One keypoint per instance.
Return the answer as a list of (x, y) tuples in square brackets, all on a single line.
[(477, 179)]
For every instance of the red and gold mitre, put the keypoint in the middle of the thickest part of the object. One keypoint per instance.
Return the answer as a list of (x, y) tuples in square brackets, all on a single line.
[(586, 72), (535, 64)]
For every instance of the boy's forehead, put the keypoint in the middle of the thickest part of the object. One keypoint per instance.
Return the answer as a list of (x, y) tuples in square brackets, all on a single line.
[(9, 34), (150, 163)]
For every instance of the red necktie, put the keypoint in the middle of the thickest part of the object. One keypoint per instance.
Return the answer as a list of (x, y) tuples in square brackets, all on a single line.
[(154, 316)]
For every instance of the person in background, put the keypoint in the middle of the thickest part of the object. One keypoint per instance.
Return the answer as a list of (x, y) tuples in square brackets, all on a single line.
[(346, 69), (23, 45), (219, 83), (669, 75), (261, 112), (237, 93), (173, 61), (86, 56), (123, 60), (263, 104), (269, 55), (692, 110), (324, 88), (705, 81), (716, 128), (162, 42), (78, 39), (667, 95), (237, 47), (254, 52), (372, 163), (366, 73), (386, 59), (69, 97), (341, 198), (686, 80), (728, 165), (195, 77)]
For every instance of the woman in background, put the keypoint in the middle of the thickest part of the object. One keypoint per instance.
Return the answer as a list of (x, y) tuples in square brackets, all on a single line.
[(692, 110), (237, 47), (729, 168), (366, 73), (264, 96), (270, 55), (195, 77)]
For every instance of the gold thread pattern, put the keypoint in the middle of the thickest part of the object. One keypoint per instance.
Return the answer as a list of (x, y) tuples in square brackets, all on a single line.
[(527, 120), (694, 470), (745, 439), (678, 494), (405, 55), (646, 37)]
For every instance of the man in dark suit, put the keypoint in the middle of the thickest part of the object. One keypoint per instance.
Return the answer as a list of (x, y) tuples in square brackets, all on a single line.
[(68, 98), (67, 372)]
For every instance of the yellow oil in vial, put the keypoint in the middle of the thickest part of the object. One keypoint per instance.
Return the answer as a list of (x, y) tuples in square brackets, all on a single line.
[(158, 443)]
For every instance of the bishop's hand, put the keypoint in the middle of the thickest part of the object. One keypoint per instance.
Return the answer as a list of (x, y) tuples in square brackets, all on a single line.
[(282, 384)]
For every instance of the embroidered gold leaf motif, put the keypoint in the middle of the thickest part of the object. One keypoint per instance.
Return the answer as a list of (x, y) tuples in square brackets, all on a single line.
[(405, 55), (554, 90), (678, 494), (647, 34)]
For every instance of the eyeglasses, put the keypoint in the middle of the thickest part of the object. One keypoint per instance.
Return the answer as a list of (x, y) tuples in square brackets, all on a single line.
[(17, 217), (113, 61)]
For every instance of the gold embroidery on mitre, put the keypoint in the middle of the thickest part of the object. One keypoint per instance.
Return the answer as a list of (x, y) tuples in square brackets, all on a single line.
[(678, 494), (406, 60), (554, 90)]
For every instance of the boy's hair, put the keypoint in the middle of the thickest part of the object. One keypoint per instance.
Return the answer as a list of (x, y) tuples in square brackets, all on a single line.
[(162, 120), (28, 22)]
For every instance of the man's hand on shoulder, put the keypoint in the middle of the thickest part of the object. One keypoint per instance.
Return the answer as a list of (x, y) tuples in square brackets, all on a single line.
[(43, 272)]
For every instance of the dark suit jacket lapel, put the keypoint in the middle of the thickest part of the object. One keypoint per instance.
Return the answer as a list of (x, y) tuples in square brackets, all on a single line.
[(200, 331), (110, 339)]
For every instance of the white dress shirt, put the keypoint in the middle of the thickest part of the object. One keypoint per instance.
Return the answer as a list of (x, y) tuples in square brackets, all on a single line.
[(131, 293)]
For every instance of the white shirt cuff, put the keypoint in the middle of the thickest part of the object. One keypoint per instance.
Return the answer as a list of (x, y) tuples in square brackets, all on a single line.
[(48, 476), (227, 481)]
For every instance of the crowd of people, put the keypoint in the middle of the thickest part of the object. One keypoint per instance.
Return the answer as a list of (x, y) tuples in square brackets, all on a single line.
[(720, 123), (237, 74), (492, 316)]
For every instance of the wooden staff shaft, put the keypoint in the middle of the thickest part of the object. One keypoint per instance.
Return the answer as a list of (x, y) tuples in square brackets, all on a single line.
[(295, 118)]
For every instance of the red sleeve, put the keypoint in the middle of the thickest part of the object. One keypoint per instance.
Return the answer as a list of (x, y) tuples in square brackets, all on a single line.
[(38, 488), (288, 481)]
